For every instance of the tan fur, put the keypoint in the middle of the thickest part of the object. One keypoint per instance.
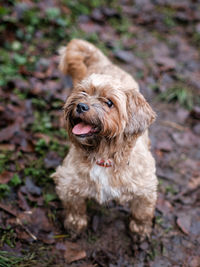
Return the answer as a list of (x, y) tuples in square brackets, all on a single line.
[(122, 138)]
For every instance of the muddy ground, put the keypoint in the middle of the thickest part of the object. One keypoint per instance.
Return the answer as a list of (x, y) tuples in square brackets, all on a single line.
[(158, 43)]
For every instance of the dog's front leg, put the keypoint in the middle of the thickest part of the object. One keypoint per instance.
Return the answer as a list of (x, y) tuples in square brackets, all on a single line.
[(75, 214), (67, 188), (142, 211)]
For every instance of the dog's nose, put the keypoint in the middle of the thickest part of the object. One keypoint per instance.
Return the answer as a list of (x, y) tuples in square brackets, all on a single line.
[(81, 107)]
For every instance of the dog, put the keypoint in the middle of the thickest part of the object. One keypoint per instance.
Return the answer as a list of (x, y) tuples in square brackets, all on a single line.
[(109, 159)]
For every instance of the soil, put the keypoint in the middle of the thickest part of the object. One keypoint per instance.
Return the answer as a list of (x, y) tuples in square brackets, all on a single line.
[(159, 46)]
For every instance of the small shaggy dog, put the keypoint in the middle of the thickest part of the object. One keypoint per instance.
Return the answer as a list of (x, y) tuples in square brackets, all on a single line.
[(109, 159)]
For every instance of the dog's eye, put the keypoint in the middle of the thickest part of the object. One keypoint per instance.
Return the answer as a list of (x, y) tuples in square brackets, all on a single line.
[(109, 103)]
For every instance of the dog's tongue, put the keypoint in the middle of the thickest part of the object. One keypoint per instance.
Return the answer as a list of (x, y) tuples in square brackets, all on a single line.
[(81, 128)]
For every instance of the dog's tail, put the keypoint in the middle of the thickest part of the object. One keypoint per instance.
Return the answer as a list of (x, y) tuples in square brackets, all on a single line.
[(77, 57)]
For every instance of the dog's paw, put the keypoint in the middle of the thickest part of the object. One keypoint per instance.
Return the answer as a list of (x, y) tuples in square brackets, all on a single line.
[(140, 228), (75, 222)]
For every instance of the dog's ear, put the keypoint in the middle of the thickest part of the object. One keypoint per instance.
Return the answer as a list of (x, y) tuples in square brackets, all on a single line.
[(140, 114)]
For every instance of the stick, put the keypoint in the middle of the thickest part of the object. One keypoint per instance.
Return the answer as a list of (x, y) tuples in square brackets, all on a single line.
[(173, 125), (13, 213)]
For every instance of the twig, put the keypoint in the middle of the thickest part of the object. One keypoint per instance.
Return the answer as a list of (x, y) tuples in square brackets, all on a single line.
[(13, 213), (173, 125), (186, 192), (26, 229), (6, 208)]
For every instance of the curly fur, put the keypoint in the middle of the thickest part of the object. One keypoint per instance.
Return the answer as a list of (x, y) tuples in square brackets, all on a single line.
[(120, 136)]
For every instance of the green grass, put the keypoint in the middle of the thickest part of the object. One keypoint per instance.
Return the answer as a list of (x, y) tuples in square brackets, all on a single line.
[(8, 259), (37, 171), (180, 93), (48, 197), (168, 16), (42, 122), (196, 39), (5, 189), (170, 190), (4, 160), (27, 259), (8, 236)]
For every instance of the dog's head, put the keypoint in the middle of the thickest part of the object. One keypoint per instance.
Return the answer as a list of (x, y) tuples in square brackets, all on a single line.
[(101, 108)]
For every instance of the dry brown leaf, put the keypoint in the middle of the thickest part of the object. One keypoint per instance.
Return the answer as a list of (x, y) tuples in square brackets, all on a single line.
[(5, 177), (184, 223), (7, 147), (194, 183), (73, 252)]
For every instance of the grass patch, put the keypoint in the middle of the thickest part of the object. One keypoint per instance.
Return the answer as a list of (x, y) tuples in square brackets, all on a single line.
[(8, 237), (170, 190), (48, 197), (8, 259), (180, 93), (168, 14), (4, 160), (5, 189), (42, 122), (37, 171), (196, 39), (27, 259)]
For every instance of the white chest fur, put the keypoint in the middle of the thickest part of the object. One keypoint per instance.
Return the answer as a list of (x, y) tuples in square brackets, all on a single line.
[(100, 175)]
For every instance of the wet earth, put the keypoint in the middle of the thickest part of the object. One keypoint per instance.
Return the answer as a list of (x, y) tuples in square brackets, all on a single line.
[(158, 43)]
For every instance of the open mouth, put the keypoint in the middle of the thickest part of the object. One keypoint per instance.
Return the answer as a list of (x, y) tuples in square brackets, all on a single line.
[(83, 129)]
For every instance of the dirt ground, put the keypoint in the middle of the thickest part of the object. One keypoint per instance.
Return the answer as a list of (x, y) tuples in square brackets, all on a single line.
[(158, 43)]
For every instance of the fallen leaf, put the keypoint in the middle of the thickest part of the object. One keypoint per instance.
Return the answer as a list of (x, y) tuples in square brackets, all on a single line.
[(97, 15), (5, 177), (164, 145), (110, 12), (46, 137), (32, 188), (163, 205), (7, 147), (195, 113), (36, 222), (7, 133), (196, 129), (182, 115), (73, 252), (23, 204), (32, 192), (184, 223), (90, 27), (194, 182), (194, 262), (186, 139), (2, 108), (125, 56), (60, 246), (25, 145), (52, 160), (167, 62), (8, 209)]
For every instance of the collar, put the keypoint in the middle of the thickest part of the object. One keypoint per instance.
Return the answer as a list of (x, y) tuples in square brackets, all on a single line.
[(104, 163)]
